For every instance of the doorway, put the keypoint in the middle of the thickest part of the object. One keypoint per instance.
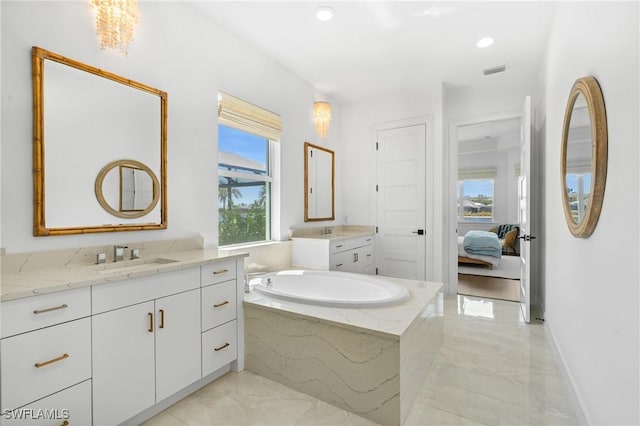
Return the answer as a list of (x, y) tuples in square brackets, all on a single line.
[(484, 177)]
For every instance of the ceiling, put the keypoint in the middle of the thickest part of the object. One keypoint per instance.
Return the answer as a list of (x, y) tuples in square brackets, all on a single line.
[(375, 47)]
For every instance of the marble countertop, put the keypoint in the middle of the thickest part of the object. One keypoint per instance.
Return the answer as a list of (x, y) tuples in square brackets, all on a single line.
[(335, 236), (337, 232), (390, 321), (17, 285)]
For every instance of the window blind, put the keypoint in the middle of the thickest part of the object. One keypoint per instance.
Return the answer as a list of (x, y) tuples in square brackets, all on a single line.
[(470, 174), (243, 115)]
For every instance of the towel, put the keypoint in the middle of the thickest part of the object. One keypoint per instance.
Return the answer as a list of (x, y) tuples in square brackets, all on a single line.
[(482, 243)]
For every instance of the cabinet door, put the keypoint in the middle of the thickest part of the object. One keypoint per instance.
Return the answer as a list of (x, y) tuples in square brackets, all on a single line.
[(178, 354), (341, 261), (123, 363)]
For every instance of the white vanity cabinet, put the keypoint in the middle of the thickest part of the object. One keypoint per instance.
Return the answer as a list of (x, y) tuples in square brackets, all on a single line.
[(146, 342), (46, 358), (353, 254), (220, 336), (120, 349)]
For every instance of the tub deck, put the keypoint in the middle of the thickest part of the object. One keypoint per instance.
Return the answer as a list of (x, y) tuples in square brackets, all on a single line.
[(369, 361)]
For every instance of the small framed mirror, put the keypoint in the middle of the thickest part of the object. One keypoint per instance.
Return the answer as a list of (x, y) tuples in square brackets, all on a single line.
[(584, 156), (319, 183), (127, 189)]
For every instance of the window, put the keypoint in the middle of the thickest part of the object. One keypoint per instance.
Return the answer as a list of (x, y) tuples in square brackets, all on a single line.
[(246, 157), (475, 195)]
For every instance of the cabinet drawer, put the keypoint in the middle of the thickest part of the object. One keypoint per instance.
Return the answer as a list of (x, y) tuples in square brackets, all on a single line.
[(218, 304), (42, 362), (72, 404), (106, 297), (338, 246), (218, 272), (219, 347), (32, 313)]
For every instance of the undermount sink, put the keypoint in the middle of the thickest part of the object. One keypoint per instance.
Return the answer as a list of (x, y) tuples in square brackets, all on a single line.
[(127, 266)]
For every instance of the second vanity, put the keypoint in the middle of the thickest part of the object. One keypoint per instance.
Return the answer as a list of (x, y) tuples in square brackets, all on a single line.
[(117, 343), (339, 248)]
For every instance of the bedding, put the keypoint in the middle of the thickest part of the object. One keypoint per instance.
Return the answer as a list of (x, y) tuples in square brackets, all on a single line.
[(462, 255), (482, 243)]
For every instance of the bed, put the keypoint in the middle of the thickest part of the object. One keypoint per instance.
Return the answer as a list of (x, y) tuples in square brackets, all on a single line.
[(489, 258)]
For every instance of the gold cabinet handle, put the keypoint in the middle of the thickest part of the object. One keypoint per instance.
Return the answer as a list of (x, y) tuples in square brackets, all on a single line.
[(55, 308), (222, 271), (161, 318), (150, 315), (221, 347), (65, 423), (226, 302), (51, 361)]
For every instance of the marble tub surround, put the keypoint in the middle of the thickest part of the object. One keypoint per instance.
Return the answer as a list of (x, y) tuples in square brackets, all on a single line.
[(338, 231), (362, 360), (31, 274), (492, 369)]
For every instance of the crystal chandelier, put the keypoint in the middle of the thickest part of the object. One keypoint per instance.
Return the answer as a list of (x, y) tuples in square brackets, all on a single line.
[(115, 21), (322, 117)]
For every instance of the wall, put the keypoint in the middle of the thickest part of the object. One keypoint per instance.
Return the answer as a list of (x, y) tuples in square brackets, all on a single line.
[(590, 287), (359, 166), (175, 50)]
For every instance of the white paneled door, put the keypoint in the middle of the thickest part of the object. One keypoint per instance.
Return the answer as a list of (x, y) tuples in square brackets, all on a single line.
[(524, 209), (401, 201)]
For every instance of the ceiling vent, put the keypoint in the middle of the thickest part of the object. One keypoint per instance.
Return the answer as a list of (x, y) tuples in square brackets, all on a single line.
[(494, 70)]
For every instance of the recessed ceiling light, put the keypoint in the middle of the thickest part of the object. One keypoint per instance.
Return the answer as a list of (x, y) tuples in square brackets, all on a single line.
[(484, 42), (325, 13)]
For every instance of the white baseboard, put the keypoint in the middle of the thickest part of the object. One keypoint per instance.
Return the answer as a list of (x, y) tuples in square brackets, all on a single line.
[(578, 404)]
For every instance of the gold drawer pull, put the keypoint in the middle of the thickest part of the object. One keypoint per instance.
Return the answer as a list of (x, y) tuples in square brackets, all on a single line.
[(51, 361), (55, 308), (150, 315), (226, 302), (65, 423), (223, 271), (221, 347)]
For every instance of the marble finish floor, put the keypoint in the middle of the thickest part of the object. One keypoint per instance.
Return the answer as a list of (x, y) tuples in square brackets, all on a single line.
[(492, 369)]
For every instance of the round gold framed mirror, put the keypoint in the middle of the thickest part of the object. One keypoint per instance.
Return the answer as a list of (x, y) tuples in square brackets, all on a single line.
[(584, 156), (127, 189)]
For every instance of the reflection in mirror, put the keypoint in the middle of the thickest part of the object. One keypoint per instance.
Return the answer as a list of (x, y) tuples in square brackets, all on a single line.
[(319, 180), (578, 176), (584, 157), (127, 189), (136, 189), (84, 112)]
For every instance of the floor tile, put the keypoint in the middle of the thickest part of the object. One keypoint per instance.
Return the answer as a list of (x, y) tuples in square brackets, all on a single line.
[(492, 369)]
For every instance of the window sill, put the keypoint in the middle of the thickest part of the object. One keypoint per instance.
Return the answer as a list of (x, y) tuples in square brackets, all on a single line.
[(248, 245)]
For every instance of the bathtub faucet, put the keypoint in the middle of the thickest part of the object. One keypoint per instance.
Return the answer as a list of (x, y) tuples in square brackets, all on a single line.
[(247, 279)]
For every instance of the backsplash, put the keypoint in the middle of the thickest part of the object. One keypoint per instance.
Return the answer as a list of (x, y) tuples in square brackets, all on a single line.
[(26, 262)]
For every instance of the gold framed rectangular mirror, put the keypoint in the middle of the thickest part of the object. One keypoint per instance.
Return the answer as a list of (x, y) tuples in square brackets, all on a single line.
[(319, 183), (84, 119)]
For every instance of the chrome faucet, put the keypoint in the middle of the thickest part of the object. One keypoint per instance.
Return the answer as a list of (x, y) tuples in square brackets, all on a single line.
[(118, 253)]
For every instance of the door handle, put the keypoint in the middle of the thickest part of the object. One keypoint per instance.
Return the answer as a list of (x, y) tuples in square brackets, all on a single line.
[(419, 232)]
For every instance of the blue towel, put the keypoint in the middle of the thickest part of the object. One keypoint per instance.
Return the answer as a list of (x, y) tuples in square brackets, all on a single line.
[(482, 243)]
